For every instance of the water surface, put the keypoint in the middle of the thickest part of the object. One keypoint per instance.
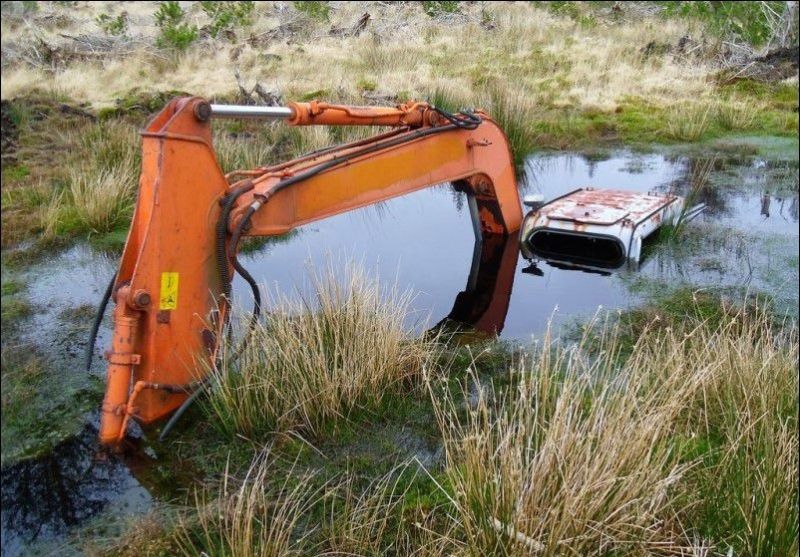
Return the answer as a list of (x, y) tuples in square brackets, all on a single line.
[(747, 239)]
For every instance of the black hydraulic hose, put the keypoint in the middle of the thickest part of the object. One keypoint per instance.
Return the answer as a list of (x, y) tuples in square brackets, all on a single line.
[(237, 234), (222, 233), (180, 411), (98, 318), (471, 121)]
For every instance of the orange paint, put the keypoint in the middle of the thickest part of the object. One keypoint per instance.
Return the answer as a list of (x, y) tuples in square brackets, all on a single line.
[(159, 341)]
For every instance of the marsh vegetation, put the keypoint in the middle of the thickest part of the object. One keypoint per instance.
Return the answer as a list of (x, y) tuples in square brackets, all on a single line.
[(666, 427)]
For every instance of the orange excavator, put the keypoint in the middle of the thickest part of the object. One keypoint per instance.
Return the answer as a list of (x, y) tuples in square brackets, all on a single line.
[(172, 290)]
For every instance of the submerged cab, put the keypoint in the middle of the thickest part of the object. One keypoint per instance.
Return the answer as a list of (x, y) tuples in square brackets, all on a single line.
[(596, 229)]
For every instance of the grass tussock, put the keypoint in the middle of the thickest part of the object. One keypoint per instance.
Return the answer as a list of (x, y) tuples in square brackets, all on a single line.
[(102, 198), (254, 517), (689, 442), (316, 360), (99, 190), (736, 115), (688, 121), (515, 115), (572, 457), (744, 427)]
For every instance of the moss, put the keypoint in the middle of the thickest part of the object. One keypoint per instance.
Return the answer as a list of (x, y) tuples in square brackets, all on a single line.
[(34, 387), (315, 95), (12, 286), (111, 242), (15, 173), (364, 84)]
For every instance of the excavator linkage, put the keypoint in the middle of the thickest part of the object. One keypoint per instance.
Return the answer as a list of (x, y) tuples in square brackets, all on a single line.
[(172, 288)]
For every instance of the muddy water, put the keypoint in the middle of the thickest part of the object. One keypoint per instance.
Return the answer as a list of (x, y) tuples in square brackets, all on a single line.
[(748, 239)]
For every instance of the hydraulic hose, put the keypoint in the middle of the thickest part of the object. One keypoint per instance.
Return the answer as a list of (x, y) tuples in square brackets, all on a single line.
[(180, 411), (222, 233), (469, 120), (237, 234), (224, 256), (98, 318)]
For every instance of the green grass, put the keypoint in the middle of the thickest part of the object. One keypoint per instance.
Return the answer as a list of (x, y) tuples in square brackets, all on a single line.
[(15, 305), (669, 307), (15, 173)]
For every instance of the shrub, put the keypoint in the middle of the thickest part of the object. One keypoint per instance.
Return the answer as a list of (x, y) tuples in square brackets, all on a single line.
[(438, 7), (227, 15), (174, 31), (116, 26), (314, 9)]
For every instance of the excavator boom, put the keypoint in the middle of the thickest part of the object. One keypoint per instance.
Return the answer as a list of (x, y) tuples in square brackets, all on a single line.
[(172, 289)]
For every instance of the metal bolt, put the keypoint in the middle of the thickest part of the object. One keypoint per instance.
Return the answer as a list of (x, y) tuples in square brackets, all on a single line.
[(202, 111), (141, 298)]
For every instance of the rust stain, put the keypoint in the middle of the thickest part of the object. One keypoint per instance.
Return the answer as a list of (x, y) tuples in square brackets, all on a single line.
[(606, 207)]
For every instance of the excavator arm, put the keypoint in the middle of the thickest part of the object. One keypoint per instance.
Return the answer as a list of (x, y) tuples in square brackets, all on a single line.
[(172, 289)]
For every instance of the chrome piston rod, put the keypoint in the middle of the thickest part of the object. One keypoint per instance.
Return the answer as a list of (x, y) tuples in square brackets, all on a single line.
[(251, 112)]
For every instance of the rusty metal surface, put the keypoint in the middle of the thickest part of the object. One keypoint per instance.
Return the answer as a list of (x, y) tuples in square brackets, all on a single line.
[(604, 207), (627, 216)]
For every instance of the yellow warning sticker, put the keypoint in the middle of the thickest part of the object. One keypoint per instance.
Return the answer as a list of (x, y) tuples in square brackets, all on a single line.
[(169, 291)]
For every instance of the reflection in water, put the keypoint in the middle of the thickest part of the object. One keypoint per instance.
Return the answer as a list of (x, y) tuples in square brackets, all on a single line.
[(43, 498), (482, 306), (423, 242)]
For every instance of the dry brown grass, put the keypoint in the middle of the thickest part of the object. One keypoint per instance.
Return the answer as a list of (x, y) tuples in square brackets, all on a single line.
[(687, 447), (529, 51), (254, 517)]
